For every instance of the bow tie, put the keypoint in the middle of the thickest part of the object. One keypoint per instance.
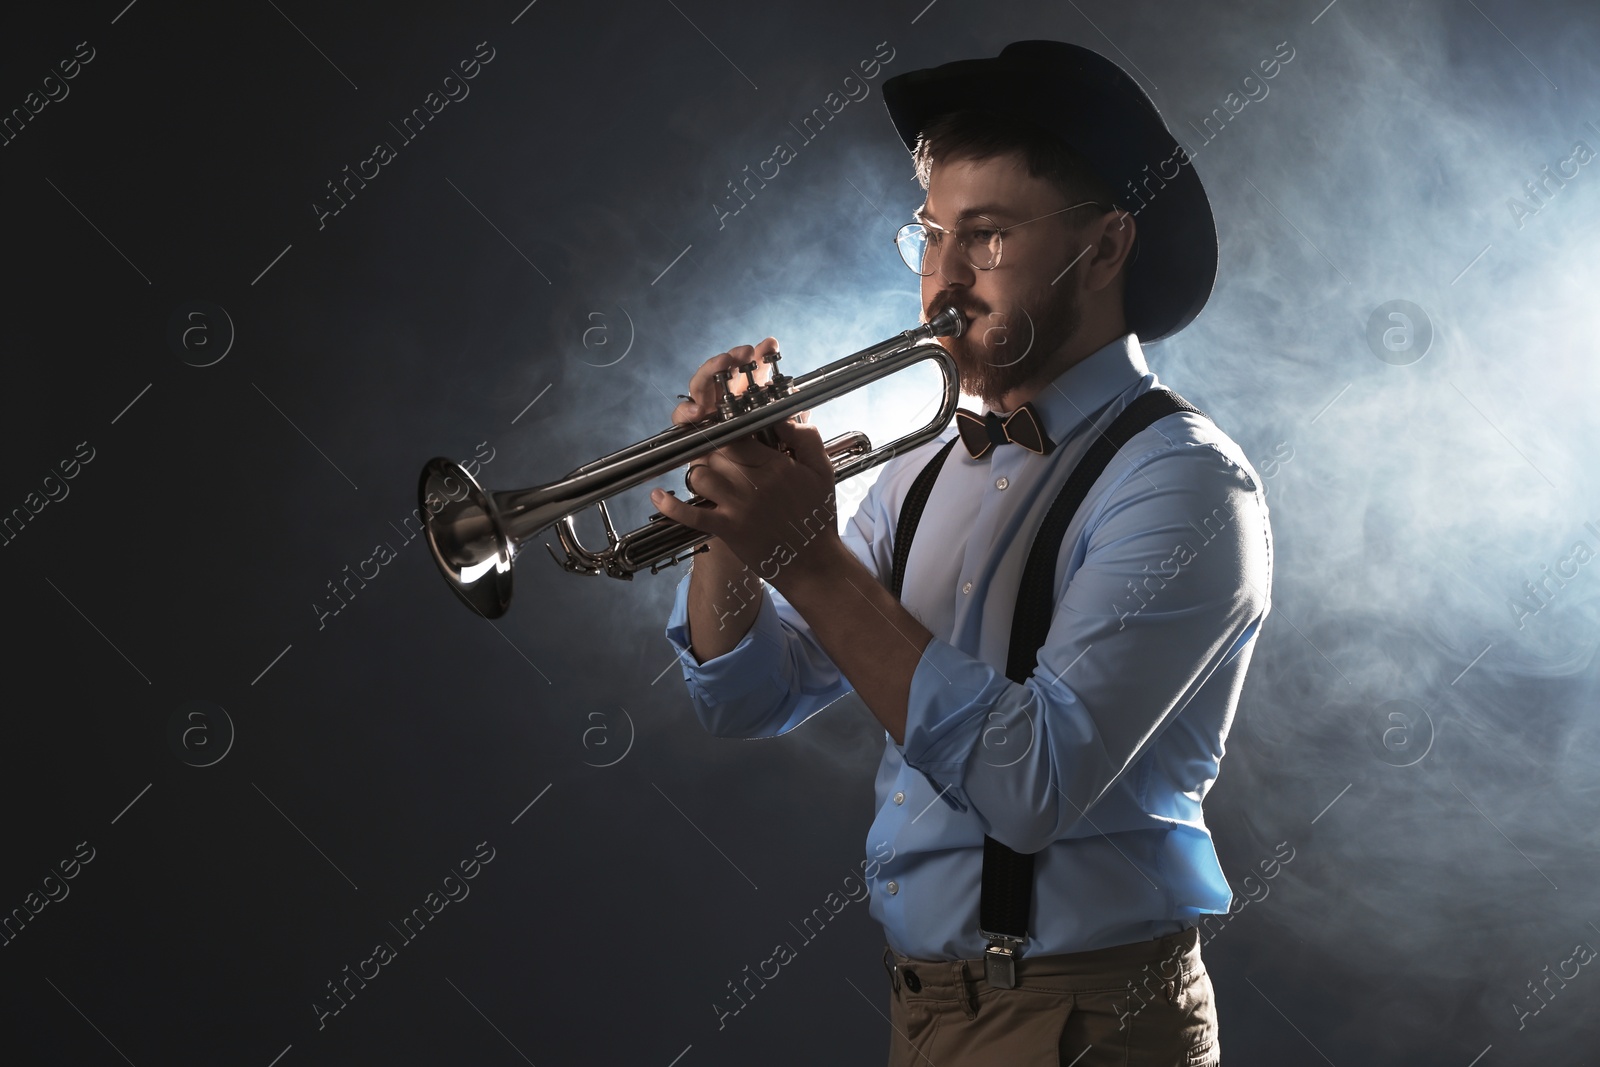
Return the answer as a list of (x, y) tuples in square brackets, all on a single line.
[(980, 433)]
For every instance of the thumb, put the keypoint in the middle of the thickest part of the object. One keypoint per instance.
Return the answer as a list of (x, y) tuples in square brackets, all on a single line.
[(806, 444)]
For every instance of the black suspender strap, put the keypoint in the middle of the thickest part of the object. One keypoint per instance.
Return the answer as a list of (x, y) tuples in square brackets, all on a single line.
[(1007, 894), (911, 513), (1030, 620)]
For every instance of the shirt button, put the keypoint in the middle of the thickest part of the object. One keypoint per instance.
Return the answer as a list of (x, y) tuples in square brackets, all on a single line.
[(893, 888), (899, 798), (1002, 482), (967, 588)]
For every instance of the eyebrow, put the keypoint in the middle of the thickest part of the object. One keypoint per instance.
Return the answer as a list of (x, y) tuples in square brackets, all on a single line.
[(979, 209)]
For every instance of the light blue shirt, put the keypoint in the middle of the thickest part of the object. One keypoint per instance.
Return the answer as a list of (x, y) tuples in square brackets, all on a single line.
[(1100, 762)]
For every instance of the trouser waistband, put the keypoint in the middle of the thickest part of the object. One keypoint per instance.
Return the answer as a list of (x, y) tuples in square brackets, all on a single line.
[(1166, 958)]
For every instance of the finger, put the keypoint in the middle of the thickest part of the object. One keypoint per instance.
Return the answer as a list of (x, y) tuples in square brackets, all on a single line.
[(805, 444), (686, 412), (747, 451), (703, 519), (703, 393), (727, 471), (736, 359), (711, 478), (703, 387), (699, 402), (760, 351)]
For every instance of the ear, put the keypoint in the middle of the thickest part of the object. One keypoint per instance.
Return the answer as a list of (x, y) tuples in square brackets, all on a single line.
[(1113, 238)]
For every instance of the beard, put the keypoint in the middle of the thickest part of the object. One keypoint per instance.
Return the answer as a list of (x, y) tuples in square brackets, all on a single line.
[(1001, 352)]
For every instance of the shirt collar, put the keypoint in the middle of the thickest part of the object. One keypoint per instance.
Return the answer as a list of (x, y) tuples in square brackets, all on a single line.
[(1088, 385)]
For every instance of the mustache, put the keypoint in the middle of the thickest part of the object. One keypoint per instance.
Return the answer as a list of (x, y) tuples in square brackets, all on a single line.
[(961, 304)]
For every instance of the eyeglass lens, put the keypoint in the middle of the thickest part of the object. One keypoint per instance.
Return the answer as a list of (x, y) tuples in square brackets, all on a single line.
[(976, 235)]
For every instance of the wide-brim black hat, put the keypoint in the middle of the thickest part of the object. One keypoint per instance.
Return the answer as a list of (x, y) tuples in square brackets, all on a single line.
[(1091, 104)]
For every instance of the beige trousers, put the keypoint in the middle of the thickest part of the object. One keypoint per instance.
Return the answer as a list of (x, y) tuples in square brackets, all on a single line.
[(1148, 1004)]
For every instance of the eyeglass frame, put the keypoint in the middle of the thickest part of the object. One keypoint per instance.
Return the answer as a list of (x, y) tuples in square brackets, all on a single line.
[(1000, 231)]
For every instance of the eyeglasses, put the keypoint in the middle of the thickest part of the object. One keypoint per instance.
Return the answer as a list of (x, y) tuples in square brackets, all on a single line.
[(977, 236)]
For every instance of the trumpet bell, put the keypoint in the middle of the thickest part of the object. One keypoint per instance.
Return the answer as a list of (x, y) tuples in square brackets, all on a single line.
[(467, 537)]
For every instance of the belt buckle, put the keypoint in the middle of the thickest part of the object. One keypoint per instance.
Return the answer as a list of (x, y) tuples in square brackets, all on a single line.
[(1000, 961)]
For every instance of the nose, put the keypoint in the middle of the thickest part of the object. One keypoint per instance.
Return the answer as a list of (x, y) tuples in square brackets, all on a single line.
[(950, 262)]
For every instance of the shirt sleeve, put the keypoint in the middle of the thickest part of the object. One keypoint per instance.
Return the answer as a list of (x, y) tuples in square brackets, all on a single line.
[(778, 675), (1173, 582)]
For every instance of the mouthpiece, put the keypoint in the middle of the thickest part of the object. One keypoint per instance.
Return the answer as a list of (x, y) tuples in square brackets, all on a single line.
[(948, 323)]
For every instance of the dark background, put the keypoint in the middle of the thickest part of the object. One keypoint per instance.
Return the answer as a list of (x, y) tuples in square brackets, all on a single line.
[(1426, 748)]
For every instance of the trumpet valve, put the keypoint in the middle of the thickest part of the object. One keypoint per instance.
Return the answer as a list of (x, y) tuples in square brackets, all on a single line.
[(778, 382), (729, 403), (754, 394)]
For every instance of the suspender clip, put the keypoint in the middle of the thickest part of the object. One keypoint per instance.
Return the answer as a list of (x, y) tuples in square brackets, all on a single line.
[(1000, 961)]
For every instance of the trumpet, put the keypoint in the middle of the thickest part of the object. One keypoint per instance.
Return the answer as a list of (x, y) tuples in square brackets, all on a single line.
[(475, 535)]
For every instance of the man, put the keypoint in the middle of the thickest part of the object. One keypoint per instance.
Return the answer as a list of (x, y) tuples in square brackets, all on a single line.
[(1065, 224)]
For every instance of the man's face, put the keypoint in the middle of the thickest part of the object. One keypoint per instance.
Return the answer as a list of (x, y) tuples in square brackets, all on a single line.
[(1022, 311)]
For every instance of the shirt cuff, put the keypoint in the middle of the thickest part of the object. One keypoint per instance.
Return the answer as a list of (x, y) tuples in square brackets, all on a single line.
[(950, 692), (734, 674)]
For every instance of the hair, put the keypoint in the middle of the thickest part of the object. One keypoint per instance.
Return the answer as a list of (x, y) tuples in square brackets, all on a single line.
[(972, 133)]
